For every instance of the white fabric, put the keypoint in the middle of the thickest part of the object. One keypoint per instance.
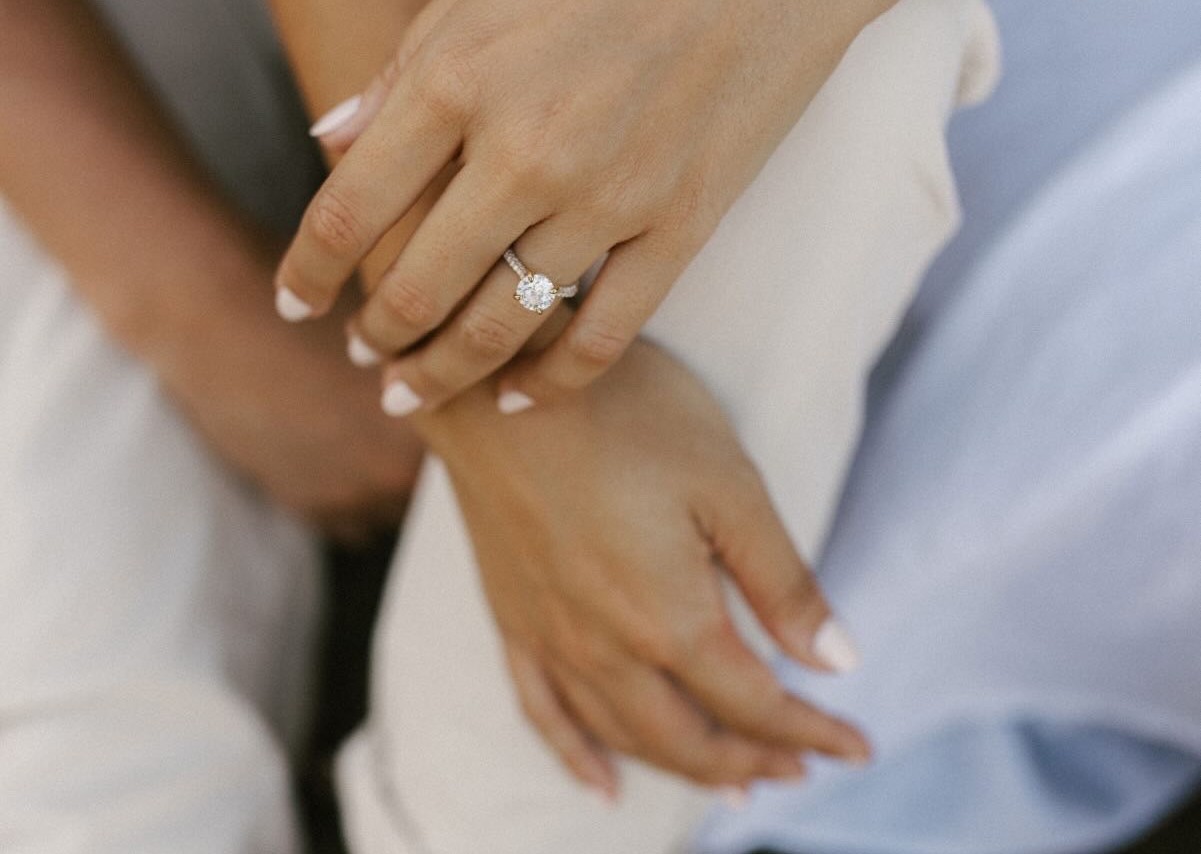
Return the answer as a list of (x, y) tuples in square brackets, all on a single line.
[(782, 315), (155, 615)]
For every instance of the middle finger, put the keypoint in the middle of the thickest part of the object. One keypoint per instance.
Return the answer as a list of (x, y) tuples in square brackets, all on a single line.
[(468, 229), (493, 325)]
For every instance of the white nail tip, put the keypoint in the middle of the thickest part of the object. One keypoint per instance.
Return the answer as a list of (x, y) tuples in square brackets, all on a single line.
[(291, 307), (400, 400), (361, 354), (337, 117), (834, 646), (512, 402)]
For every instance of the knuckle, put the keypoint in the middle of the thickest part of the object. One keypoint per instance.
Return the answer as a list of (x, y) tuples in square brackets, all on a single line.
[(596, 345), (518, 165), (335, 226), (551, 169), (653, 644), (658, 729), (586, 651), (446, 82), (487, 337), (689, 206), (406, 304), (533, 164), (709, 635)]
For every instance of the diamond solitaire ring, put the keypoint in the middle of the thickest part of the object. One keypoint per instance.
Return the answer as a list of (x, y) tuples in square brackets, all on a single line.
[(535, 291)]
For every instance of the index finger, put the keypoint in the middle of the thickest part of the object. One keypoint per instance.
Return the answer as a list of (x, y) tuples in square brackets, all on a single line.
[(382, 176)]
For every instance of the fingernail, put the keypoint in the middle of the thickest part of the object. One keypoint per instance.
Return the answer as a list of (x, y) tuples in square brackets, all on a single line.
[(400, 400), (291, 307), (512, 402), (833, 645), (361, 354), (735, 798), (336, 117)]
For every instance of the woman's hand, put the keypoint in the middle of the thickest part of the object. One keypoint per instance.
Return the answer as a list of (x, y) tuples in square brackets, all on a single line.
[(577, 129), (603, 526)]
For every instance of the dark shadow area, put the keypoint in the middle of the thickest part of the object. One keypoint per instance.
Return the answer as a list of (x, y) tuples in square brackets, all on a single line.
[(354, 585)]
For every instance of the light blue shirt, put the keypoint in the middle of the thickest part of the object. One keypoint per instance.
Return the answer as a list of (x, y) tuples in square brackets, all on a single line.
[(1019, 546)]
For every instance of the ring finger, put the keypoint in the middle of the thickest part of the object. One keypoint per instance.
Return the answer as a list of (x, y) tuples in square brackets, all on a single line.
[(669, 732), (494, 324)]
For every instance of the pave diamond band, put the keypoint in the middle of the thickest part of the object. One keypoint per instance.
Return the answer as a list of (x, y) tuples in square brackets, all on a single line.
[(535, 291)]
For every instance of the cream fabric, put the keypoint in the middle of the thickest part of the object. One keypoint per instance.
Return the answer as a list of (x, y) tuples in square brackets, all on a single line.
[(782, 315)]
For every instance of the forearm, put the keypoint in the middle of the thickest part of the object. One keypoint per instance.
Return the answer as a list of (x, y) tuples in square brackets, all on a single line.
[(92, 166), (335, 49)]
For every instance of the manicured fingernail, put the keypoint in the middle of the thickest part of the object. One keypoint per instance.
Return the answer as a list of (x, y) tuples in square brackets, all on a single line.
[(833, 645), (291, 307), (400, 400), (361, 354), (512, 402), (337, 117), (735, 798)]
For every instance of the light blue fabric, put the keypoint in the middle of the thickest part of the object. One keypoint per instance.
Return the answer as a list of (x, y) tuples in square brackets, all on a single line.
[(1019, 546)]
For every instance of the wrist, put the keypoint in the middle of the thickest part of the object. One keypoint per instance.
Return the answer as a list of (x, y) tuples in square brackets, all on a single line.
[(161, 303)]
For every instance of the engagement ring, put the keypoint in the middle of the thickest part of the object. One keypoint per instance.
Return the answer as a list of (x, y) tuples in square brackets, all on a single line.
[(535, 291)]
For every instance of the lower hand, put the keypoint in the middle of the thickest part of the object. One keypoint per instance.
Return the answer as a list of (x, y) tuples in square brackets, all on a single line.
[(603, 527)]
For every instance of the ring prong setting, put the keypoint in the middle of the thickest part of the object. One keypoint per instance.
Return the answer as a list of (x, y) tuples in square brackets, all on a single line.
[(536, 292)]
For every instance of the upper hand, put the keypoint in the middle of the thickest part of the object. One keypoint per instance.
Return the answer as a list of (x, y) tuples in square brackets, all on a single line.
[(572, 130), (603, 527)]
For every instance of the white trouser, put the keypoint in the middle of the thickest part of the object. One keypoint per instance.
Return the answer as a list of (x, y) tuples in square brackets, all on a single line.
[(155, 614), (782, 315)]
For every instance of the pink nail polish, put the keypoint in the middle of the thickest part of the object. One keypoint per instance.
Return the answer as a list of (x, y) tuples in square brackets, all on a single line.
[(291, 307), (337, 117), (362, 354), (400, 399), (513, 402), (834, 646)]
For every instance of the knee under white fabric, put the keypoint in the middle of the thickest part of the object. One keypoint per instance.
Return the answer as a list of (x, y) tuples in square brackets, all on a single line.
[(782, 315)]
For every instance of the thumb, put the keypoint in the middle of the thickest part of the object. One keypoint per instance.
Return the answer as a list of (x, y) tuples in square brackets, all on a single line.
[(343, 123), (747, 535)]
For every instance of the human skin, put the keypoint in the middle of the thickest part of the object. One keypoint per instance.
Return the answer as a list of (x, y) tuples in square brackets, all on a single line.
[(577, 129), (611, 615), (180, 279)]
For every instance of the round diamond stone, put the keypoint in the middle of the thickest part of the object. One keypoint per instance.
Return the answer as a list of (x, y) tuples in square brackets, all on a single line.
[(536, 292)]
